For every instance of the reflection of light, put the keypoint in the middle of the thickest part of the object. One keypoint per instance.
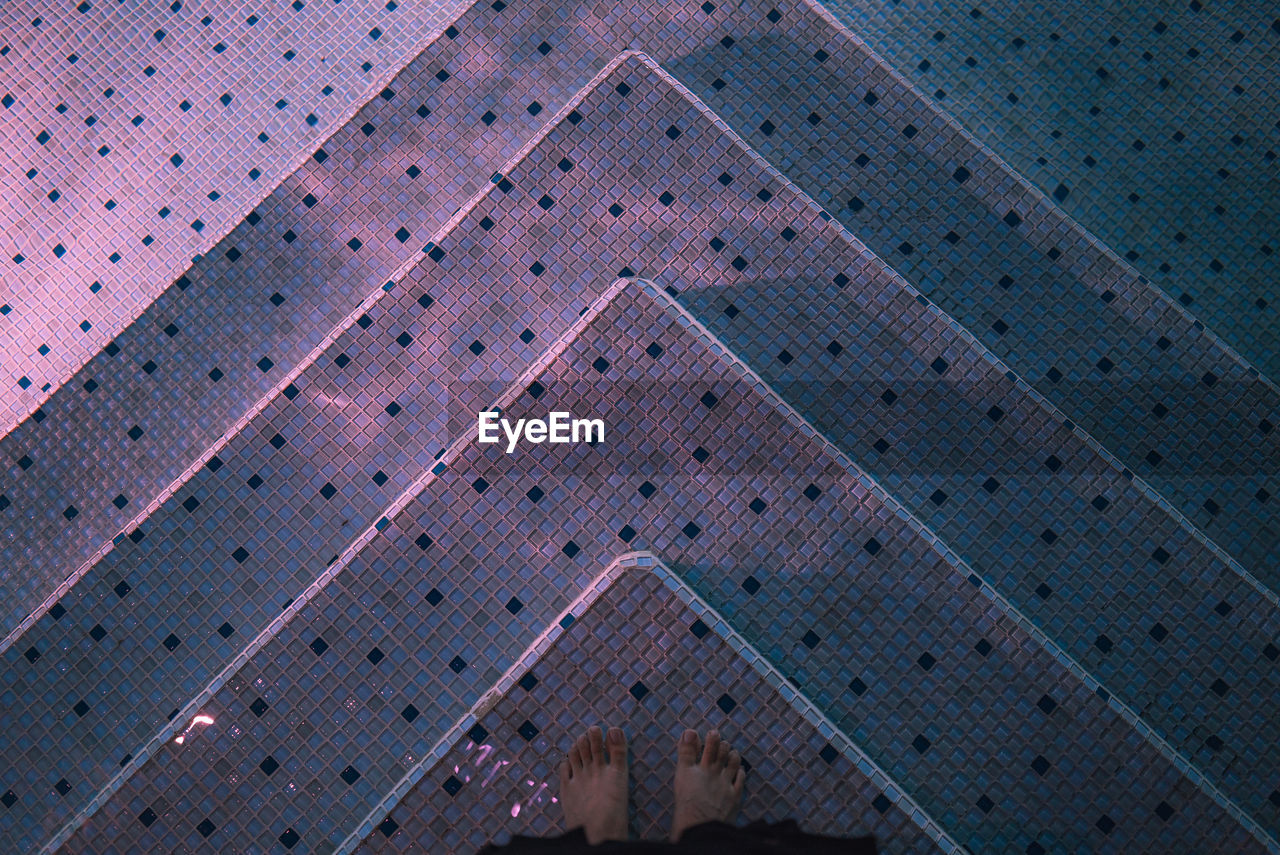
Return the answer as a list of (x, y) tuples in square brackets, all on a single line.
[(536, 799), (338, 400), (494, 770), (200, 719), (487, 766)]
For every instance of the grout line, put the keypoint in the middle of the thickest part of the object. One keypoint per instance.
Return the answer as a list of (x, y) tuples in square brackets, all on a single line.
[(1038, 196), (1272, 596), (306, 362), (1189, 770)]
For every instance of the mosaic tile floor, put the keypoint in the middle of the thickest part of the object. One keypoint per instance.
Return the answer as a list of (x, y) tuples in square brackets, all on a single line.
[(935, 491), (137, 137), (1153, 127), (637, 603)]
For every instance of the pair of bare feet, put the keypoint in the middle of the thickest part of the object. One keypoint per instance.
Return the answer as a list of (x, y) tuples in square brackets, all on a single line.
[(594, 790)]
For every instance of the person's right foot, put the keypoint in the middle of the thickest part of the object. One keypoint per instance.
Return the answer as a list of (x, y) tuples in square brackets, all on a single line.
[(708, 788)]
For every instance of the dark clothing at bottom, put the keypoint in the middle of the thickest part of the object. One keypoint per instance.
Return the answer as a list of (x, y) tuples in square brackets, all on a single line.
[(710, 838)]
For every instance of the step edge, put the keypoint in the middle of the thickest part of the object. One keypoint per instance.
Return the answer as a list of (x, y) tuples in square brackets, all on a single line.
[(342, 119), (264, 401), (191, 708), (1142, 280), (643, 561), (960, 566)]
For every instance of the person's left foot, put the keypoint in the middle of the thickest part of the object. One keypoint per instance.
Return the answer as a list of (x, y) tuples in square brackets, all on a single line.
[(593, 792)]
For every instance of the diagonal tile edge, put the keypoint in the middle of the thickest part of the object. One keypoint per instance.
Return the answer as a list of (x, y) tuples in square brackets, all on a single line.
[(969, 338), (644, 561), (1272, 596), (576, 607), (12, 418), (1039, 196), (806, 708), (302, 365), (712, 343), (192, 708)]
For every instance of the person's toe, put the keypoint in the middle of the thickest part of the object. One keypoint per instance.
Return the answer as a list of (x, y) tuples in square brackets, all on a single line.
[(575, 758), (595, 738), (734, 765), (722, 759), (580, 754), (739, 781), (711, 751), (566, 773), (687, 750), (617, 747)]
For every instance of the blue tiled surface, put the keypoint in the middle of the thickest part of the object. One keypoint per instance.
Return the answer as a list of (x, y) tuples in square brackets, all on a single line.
[(1153, 126), (1127, 364), (493, 767), (1024, 546), (814, 580), (948, 435)]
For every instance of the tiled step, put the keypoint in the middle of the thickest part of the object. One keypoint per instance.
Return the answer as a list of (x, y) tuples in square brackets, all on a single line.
[(1091, 555), (643, 652), (250, 312), (393, 169), (1151, 126), (391, 180), (1091, 334), (99, 215), (1063, 812), (260, 522), (470, 303), (999, 738)]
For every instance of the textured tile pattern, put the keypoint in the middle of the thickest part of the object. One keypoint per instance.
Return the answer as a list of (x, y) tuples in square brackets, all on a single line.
[(1111, 352), (268, 502), (1173, 404), (1030, 505), (1151, 126), (439, 348), (138, 135), (809, 579), (676, 663), (249, 312)]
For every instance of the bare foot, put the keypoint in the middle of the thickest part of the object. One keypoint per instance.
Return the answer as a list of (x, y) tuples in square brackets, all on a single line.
[(709, 788), (593, 792)]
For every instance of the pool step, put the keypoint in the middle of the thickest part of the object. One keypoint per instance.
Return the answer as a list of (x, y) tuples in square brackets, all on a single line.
[(417, 153), (475, 311), (640, 650), (948, 689)]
